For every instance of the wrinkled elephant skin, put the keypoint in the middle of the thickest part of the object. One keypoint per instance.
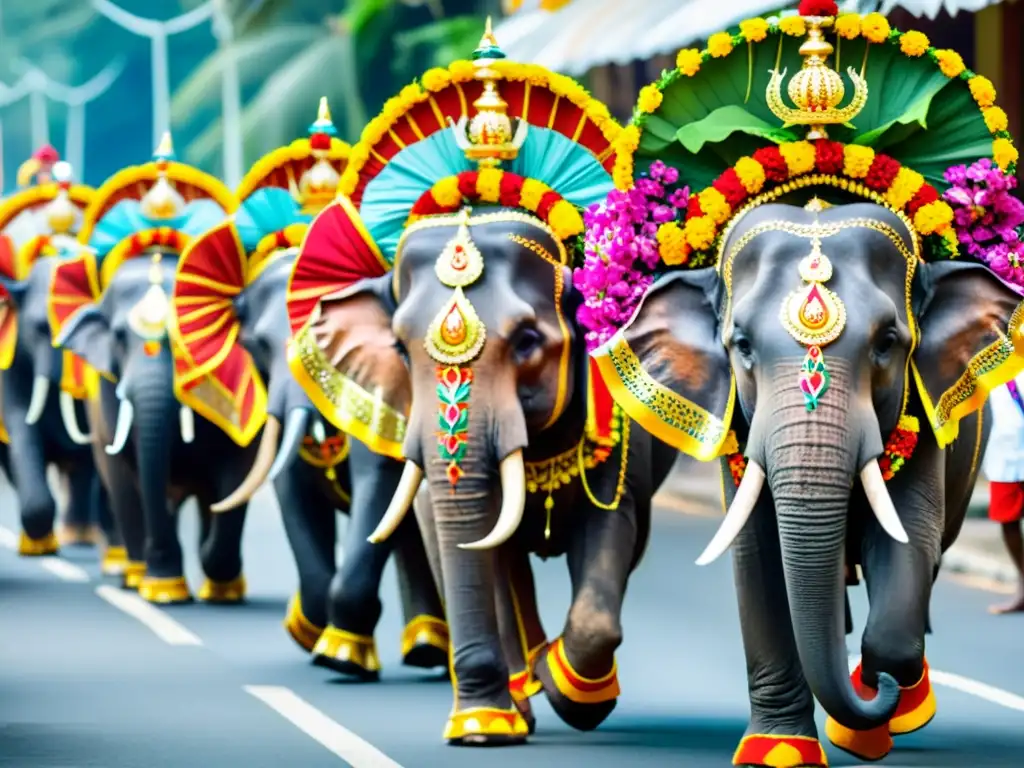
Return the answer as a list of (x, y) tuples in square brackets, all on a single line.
[(806, 527)]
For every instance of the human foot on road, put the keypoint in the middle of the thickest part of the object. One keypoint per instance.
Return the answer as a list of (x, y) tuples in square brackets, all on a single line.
[(1016, 605)]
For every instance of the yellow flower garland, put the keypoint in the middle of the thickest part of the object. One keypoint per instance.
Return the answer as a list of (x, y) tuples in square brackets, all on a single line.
[(688, 61), (857, 160), (875, 28)]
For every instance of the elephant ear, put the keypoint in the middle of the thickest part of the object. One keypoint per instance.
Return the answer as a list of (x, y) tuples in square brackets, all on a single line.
[(8, 308), (668, 369), (343, 353), (77, 325), (971, 340), (213, 373)]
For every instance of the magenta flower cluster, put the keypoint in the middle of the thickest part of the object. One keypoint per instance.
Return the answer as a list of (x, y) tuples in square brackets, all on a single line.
[(988, 218), (621, 250)]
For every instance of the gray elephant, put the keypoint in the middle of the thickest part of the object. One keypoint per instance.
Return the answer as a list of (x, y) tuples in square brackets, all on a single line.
[(836, 359), (43, 389), (464, 359), (243, 268), (112, 309)]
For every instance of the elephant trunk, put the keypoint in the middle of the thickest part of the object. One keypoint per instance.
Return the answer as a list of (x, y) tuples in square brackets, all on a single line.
[(810, 468), (153, 428)]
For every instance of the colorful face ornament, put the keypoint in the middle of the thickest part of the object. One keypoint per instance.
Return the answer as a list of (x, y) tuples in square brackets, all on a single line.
[(454, 338), (815, 317), (148, 318)]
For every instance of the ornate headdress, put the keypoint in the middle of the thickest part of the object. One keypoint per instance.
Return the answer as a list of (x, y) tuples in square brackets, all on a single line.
[(279, 197), (717, 135), (151, 210), (435, 147), (39, 166)]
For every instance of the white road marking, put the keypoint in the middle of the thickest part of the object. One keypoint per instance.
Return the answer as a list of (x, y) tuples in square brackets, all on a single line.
[(318, 726), (62, 569), (8, 538), (162, 625), (971, 687)]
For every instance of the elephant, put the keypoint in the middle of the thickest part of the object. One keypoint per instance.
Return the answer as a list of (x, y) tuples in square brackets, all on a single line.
[(43, 390), (335, 612), (111, 306), (813, 501)]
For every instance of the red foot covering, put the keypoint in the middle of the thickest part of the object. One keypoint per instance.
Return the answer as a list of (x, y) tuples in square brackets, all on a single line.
[(545, 110), (783, 751), (910, 698), (73, 285), (214, 374), (338, 251), (600, 407)]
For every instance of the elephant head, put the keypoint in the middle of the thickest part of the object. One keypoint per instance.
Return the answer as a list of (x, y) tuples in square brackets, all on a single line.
[(230, 305), (112, 306), (890, 328), (39, 224)]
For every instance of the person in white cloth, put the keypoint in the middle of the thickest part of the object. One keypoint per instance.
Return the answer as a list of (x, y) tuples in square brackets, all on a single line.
[(1003, 465)]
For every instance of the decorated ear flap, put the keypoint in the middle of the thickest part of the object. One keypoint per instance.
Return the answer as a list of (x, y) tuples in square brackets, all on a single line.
[(214, 374)]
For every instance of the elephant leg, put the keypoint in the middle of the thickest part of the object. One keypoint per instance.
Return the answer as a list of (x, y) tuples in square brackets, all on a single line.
[(164, 579), (578, 669), (781, 730), (310, 523), (347, 645), (425, 636), (126, 507), (893, 639), (80, 521), (522, 634), (220, 552), (38, 510)]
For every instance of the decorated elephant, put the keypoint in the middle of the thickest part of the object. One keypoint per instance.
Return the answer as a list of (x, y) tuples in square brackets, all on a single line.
[(826, 320), (111, 306), (445, 336), (230, 318), (43, 390)]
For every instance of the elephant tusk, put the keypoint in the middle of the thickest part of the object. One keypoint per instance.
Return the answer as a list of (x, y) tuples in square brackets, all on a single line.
[(408, 485), (260, 469), (40, 391), (294, 431), (881, 501), (125, 415), (187, 423), (70, 419), (319, 433), (739, 512), (513, 502)]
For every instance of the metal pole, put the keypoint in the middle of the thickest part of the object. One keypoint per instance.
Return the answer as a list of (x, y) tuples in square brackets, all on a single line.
[(231, 97), (74, 143), (161, 87)]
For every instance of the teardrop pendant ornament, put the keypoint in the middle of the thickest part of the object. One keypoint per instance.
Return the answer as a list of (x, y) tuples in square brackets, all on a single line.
[(813, 314), (460, 263), (456, 334)]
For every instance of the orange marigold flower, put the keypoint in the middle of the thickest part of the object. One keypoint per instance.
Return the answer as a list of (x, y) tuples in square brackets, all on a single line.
[(751, 174), (688, 61), (720, 44), (950, 63), (914, 43), (982, 90), (875, 28)]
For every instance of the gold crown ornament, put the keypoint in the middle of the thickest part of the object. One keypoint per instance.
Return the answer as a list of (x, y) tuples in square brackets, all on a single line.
[(319, 185), (488, 138), (817, 89), (61, 213), (162, 201)]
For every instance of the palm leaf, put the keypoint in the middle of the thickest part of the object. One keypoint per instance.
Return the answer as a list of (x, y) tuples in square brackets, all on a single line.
[(444, 41)]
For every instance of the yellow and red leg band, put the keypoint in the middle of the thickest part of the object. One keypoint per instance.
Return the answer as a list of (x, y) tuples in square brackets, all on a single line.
[(523, 685), (302, 630), (425, 630), (485, 721), (914, 711), (780, 751), (576, 688), (359, 650)]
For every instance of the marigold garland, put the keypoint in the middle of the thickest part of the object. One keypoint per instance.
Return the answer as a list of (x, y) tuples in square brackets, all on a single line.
[(459, 72), (503, 188)]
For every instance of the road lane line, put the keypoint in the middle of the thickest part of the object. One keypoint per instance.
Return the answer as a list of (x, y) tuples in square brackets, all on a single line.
[(318, 726), (62, 569), (162, 625), (8, 538)]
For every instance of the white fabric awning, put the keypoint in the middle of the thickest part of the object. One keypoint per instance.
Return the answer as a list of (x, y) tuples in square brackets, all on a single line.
[(589, 33)]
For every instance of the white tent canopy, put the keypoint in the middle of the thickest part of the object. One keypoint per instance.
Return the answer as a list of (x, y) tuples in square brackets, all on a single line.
[(588, 33)]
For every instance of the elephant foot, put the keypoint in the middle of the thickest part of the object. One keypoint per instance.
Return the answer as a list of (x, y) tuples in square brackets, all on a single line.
[(581, 703), (75, 535), (115, 561), (864, 745), (347, 654), (29, 547), (780, 752), (425, 643), (165, 591), (486, 727), (223, 592), (302, 630), (134, 573), (521, 686)]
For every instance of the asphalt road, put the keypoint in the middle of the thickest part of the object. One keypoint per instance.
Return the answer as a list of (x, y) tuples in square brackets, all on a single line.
[(84, 683)]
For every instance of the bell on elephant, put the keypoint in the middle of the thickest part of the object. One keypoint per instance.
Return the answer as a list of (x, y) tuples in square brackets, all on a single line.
[(230, 326), (432, 310), (825, 320), (109, 304)]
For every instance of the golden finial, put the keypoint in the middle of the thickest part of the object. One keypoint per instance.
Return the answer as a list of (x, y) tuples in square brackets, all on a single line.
[(488, 138), (162, 201), (165, 149), (318, 185), (817, 89), (61, 213)]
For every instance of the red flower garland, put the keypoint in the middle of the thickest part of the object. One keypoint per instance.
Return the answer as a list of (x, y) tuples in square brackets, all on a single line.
[(774, 164), (818, 8)]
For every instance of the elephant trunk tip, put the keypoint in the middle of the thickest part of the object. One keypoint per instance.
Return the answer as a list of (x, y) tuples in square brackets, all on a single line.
[(874, 712)]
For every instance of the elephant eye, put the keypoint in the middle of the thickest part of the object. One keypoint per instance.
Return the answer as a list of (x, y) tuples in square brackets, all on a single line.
[(526, 341), (742, 344), (402, 351), (886, 341)]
